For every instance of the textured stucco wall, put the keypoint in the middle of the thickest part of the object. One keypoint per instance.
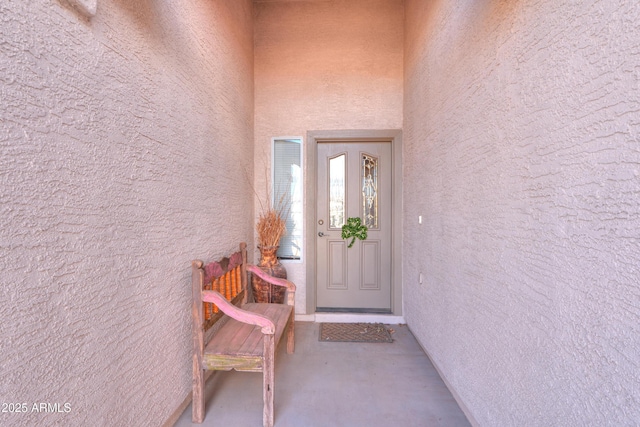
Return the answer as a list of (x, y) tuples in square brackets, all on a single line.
[(522, 154), (324, 64), (112, 132)]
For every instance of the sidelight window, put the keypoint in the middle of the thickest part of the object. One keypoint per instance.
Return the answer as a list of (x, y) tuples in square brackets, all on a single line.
[(287, 188)]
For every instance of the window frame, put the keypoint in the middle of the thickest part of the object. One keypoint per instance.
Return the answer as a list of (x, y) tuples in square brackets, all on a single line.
[(300, 141)]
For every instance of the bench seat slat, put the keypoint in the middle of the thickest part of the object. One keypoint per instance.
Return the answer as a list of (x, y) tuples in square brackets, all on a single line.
[(280, 315), (242, 340), (276, 312), (230, 336)]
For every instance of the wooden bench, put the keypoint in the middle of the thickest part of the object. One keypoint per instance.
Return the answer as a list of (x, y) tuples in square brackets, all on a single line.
[(229, 333)]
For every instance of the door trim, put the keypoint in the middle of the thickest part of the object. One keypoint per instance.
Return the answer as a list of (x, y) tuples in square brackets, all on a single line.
[(393, 136)]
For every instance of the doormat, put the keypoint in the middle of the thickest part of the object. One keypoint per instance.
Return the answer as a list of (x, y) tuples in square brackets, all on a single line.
[(354, 332)]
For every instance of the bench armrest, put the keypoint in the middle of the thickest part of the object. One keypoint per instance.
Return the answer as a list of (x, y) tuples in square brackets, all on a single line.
[(291, 287), (237, 313), (269, 278)]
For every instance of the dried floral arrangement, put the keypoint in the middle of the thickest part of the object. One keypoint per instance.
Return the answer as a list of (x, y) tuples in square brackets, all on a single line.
[(271, 225)]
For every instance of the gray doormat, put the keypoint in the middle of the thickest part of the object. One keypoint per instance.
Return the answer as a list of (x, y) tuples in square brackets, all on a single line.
[(354, 332)]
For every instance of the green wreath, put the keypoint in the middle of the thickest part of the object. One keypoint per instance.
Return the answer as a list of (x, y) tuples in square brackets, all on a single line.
[(354, 229)]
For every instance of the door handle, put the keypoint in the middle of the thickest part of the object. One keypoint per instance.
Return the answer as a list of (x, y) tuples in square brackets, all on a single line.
[(320, 234)]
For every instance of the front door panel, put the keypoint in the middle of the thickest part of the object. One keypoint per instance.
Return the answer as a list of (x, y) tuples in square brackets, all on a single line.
[(354, 180)]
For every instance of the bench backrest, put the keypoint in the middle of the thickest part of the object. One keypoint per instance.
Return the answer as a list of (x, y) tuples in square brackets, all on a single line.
[(227, 276)]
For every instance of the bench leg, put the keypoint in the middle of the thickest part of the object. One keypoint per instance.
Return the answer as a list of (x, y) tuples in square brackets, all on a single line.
[(197, 406), (268, 380), (290, 334)]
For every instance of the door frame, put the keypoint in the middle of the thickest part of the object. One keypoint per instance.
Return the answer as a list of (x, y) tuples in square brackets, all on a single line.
[(393, 136)]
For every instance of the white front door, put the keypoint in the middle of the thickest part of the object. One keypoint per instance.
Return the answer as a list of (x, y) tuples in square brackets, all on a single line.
[(354, 181)]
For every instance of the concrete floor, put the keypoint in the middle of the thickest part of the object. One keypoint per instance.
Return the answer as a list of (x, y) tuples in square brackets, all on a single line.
[(337, 384)]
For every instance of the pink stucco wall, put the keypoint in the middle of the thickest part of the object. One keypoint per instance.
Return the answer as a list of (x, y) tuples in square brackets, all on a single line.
[(323, 65), (521, 155), (123, 142), (521, 136)]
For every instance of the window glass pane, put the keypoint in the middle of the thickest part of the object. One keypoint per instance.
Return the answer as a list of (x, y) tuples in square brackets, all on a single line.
[(370, 191), (287, 189), (337, 191)]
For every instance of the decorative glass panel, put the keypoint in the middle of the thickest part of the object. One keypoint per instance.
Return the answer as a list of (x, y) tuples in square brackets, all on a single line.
[(370, 191), (337, 191)]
